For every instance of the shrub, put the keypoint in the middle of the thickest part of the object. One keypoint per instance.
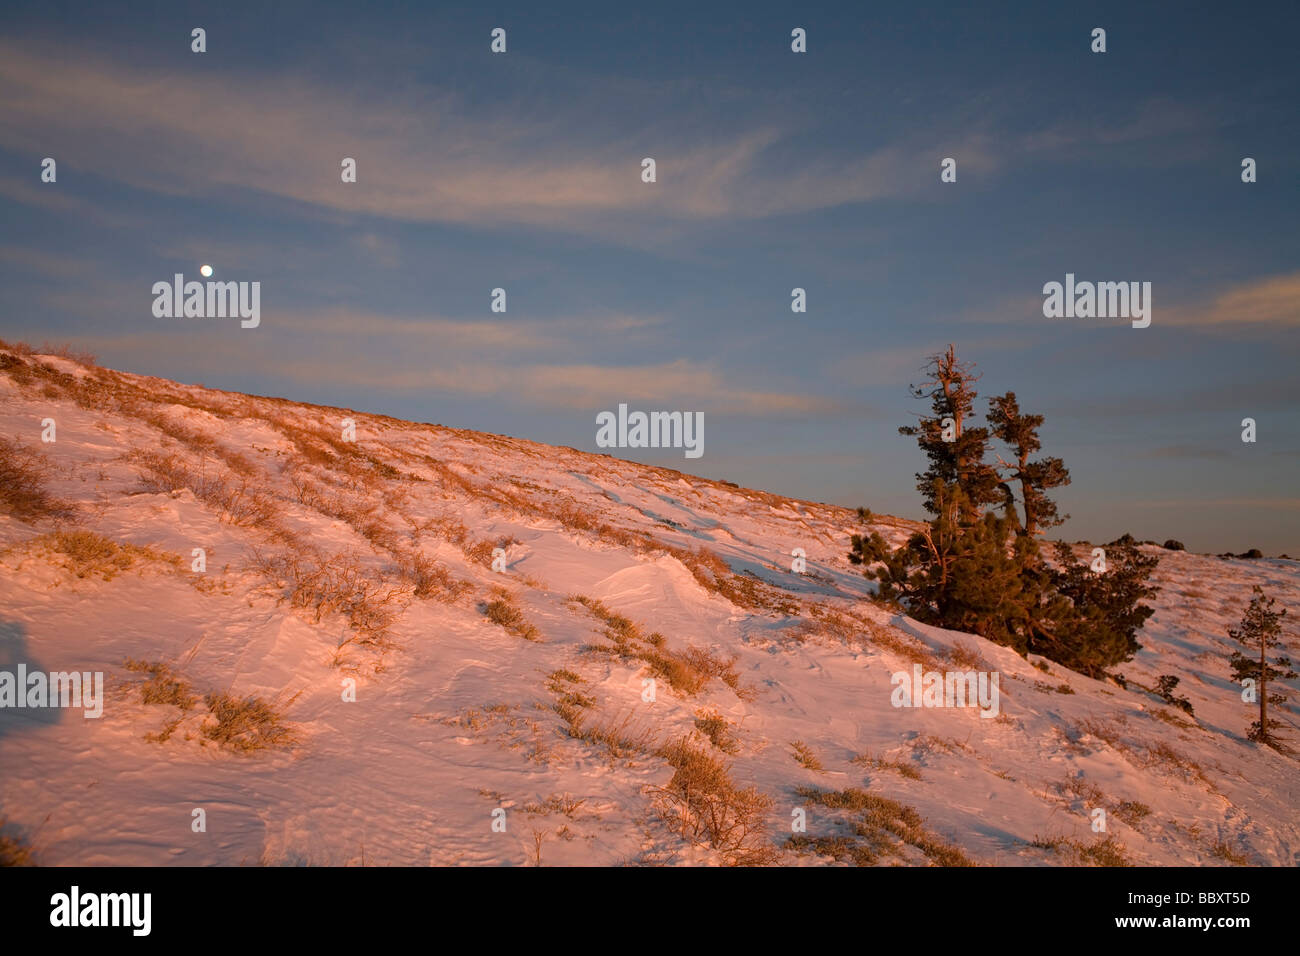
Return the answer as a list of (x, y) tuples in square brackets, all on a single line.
[(705, 806), (804, 755), (335, 585), (245, 724), (237, 500), (24, 474), (504, 613), (429, 579), (1172, 545), (879, 763), (163, 686), (86, 554), (714, 726), (877, 819)]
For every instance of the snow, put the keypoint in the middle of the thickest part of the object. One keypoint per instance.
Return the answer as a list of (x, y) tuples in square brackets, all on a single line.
[(410, 772)]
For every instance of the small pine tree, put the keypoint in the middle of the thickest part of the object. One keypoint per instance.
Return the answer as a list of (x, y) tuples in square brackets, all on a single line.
[(1168, 683), (1261, 631)]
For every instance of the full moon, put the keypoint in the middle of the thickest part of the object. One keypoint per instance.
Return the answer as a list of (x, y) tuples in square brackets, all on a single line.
[(205, 271)]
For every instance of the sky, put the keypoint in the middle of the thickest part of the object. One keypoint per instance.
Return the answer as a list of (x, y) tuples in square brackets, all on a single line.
[(775, 170)]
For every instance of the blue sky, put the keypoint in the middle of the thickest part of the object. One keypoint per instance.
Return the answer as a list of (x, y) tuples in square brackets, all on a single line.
[(775, 170)]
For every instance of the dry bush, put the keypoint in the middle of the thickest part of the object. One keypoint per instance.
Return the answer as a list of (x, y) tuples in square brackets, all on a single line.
[(480, 553), (335, 585), (24, 474), (1078, 788), (716, 727), (1223, 851), (620, 738), (164, 686), (503, 612), (876, 819), (1132, 812), (704, 805), (238, 502), (880, 763), (430, 579), (966, 656), (688, 672), (86, 554), (1107, 852), (803, 755), (448, 529), (245, 725), (64, 350)]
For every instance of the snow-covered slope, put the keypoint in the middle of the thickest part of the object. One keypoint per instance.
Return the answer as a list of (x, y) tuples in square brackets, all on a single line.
[(333, 564)]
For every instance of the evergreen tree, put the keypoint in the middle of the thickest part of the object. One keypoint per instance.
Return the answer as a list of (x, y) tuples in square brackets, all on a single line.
[(979, 570), (1020, 432), (956, 450), (1097, 626), (1261, 631)]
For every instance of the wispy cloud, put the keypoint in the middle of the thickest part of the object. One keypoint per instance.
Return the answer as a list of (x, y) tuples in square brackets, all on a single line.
[(1270, 301), (420, 157)]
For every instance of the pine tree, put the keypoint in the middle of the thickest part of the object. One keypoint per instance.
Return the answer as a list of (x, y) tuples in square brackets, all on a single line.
[(955, 452), (1096, 625), (1261, 631), (979, 570), (1020, 432)]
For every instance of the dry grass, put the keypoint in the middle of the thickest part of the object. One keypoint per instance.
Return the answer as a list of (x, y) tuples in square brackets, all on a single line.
[(163, 686), (569, 702), (1132, 812), (245, 725), (804, 756), (24, 474), (86, 554), (881, 826), (235, 499), (1145, 755), (620, 737), (505, 613), (335, 585), (716, 727), (1223, 851), (1106, 852), (704, 805), (967, 656), (430, 580), (880, 763), (688, 672)]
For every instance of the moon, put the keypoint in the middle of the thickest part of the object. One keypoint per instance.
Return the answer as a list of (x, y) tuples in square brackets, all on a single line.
[(205, 271)]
